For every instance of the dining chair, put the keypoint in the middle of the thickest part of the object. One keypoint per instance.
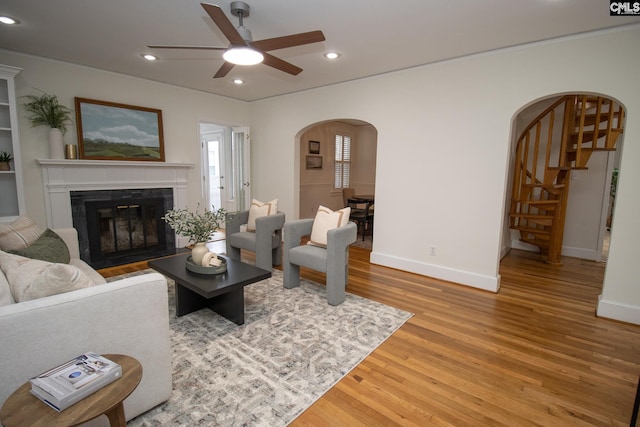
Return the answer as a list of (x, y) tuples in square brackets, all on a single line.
[(361, 214)]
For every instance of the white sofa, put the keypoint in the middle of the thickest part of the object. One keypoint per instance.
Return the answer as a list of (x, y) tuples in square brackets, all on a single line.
[(128, 316)]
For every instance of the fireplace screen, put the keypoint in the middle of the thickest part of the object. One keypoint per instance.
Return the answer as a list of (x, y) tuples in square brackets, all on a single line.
[(121, 226), (126, 227)]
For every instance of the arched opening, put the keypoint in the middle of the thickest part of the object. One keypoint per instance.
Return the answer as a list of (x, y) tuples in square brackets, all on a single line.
[(322, 175), (590, 184)]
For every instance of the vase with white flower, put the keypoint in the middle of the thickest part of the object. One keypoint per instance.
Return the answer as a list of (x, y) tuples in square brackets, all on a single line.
[(196, 226)]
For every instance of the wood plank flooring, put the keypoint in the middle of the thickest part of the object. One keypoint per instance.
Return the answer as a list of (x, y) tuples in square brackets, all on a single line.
[(533, 354)]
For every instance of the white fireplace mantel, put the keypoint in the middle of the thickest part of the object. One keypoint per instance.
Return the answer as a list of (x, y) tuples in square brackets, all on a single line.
[(61, 177)]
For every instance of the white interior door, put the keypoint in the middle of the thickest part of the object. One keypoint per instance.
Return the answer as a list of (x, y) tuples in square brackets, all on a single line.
[(213, 169), (241, 160), (226, 166)]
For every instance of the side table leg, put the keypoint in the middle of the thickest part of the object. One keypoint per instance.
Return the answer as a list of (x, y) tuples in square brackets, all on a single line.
[(116, 416)]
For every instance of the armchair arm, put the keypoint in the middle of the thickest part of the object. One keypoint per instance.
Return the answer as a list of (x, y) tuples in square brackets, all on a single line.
[(339, 239), (235, 220), (268, 235), (293, 232), (267, 225)]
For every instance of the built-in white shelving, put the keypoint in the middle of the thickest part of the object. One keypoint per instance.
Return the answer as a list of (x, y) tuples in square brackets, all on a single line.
[(11, 187)]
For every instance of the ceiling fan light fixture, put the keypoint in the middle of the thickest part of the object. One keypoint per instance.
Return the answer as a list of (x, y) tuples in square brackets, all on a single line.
[(8, 20), (243, 56)]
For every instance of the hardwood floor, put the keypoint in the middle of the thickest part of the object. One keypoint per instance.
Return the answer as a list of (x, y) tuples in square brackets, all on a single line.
[(532, 354)]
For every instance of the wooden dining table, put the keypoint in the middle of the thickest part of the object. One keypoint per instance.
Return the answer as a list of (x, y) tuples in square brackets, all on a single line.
[(365, 218), (365, 198)]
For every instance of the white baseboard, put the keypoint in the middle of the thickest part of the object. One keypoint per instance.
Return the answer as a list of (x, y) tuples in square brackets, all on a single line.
[(581, 253), (618, 311), (474, 280), (570, 251)]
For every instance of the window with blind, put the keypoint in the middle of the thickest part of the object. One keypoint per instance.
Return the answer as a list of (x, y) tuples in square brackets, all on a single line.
[(342, 161)]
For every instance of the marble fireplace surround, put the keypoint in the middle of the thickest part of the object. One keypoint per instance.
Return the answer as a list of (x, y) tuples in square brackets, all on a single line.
[(61, 177)]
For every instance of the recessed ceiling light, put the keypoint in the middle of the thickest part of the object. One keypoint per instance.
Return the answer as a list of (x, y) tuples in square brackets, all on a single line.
[(332, 55), (149, 57), (8, 20), (238, 81)]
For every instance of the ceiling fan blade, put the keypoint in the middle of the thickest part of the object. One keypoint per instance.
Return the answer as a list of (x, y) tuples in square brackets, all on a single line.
[(288, 41), (221, 20), (186, 47), (224, 70), (281, 65)]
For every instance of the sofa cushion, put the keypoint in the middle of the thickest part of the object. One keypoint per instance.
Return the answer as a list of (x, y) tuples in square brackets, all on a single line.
[(325, 220), (30, 278), (259, 209), (19, 234), (48, 247)]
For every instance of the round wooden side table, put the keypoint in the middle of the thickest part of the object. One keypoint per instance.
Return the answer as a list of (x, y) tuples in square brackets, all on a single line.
[(24, 409)]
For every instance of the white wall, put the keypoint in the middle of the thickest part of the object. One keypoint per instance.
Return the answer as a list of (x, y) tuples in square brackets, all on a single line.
[(443, 144), (181, 111)]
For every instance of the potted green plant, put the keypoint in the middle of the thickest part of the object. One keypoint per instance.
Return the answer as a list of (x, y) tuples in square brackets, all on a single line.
[(46, 110), (5, 159), (196, 226)]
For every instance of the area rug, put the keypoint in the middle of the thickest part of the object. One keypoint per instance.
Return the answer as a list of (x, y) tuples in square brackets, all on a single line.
[(292, 348)]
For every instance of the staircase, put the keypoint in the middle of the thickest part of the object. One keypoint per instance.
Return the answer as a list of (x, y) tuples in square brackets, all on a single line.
[(559, 140)]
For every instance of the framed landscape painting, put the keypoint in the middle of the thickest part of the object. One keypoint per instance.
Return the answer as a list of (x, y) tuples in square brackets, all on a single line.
[(112, 131)]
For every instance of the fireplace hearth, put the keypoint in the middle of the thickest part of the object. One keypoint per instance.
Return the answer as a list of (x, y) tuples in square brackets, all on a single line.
[(117, 227)]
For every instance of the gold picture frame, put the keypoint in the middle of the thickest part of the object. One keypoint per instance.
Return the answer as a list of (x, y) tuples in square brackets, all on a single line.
[(113, 131)]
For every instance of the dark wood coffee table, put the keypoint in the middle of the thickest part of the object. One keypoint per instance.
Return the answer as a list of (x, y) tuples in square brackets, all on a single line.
[(222, 293)]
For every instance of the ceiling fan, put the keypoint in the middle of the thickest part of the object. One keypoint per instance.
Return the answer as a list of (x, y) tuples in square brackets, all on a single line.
[(242, 49)]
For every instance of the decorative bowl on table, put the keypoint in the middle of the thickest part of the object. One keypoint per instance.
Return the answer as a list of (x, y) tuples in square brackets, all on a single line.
[(197, 268)]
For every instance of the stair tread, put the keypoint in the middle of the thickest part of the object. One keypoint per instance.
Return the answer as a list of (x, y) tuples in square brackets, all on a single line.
[(528, 215), (538, 202), (531, 230)]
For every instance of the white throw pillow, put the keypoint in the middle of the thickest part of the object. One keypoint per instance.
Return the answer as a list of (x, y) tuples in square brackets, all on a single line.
[(19, 234), (259, 209), (326, 220), (31, 278), (6, 297)]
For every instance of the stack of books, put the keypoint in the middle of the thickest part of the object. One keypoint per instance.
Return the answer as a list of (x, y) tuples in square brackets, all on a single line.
[(74, 380)]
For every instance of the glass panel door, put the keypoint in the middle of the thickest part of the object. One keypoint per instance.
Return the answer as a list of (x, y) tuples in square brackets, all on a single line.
[(241, 155)]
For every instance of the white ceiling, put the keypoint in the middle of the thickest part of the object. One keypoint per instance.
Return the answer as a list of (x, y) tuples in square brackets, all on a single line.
[(373, 36)]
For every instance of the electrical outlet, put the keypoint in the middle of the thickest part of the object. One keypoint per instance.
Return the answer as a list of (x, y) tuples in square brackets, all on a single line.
[(432, 250)]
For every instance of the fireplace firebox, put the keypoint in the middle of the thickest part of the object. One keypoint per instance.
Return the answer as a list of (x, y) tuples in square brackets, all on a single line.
[(121, 226)]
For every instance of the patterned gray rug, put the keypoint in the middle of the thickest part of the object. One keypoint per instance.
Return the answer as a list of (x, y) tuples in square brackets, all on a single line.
[(292, 348)]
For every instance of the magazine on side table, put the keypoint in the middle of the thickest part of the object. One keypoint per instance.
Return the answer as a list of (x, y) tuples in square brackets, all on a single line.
[(74, 380)]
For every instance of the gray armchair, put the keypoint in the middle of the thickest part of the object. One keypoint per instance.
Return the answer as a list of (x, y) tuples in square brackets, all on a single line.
[(332, 260), (266, 241)]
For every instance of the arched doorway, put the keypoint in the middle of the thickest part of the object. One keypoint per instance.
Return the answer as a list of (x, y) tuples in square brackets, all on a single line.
[(320, 180), (564, 142)]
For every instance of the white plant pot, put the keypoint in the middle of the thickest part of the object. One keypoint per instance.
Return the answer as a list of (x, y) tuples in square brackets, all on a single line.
[(56, 145), (198, 252)]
